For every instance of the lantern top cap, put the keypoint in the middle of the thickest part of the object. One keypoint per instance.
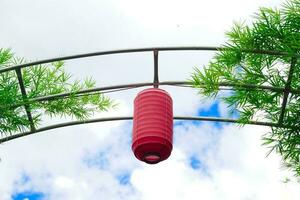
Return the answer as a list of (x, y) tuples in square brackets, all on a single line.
[(153, 90)]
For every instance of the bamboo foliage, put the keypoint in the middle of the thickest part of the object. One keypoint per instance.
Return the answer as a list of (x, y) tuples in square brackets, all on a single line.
[(43, 80), (275, 30)]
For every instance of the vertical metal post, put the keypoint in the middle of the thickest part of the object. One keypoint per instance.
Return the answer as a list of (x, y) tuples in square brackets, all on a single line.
[(156, 79), (287, 90), (24, 95)]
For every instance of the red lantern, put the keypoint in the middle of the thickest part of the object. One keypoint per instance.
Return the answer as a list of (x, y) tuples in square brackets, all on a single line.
[(152, 126)]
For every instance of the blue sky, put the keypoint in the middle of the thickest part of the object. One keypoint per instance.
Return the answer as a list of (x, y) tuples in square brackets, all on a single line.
[(28, 195), (94, 161)]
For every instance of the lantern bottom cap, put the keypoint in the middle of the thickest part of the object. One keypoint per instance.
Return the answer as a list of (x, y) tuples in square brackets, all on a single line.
[(152, 152), (152, 158)]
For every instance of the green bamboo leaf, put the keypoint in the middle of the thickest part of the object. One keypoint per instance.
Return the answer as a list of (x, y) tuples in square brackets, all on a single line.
[(274, 30)]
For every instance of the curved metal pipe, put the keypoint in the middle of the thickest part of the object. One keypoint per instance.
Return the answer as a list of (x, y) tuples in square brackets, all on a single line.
[(100, 53), (137, 85), (130, 86), (196, 118)]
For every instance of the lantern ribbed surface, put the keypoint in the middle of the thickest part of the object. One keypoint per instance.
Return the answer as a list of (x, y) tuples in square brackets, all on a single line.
[(152, 125)]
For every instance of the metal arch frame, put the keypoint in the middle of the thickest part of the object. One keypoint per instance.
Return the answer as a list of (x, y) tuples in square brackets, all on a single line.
[(26, 102)]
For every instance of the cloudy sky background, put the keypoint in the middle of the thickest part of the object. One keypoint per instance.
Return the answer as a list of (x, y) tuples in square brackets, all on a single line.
[(209, 161)]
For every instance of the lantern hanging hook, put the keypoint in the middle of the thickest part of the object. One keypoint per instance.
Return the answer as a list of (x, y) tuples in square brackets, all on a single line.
[(156, 79)]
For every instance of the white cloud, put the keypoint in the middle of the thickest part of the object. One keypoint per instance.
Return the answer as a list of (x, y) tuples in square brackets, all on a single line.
[(237, 168), (235, 163), (55, 161)]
